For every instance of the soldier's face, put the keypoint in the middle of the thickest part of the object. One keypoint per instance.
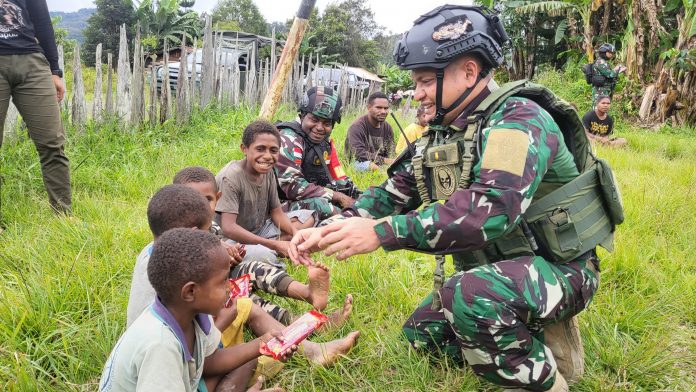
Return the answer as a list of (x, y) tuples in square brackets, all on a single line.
[(460, 75), (609, 55), (316, 128)]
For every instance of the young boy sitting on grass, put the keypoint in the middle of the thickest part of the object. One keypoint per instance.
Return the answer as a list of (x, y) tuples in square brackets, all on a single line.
[(266, 277), (173, 346), (178, 206), (249, 208)]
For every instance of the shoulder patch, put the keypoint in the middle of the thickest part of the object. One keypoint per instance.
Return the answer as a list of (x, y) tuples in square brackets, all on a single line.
[(506, 150)]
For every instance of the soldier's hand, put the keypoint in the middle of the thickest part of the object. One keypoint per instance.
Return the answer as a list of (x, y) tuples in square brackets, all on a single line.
[(303, 244), (349, 237)]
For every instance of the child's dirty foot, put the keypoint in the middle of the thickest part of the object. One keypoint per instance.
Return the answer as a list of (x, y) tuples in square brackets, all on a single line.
[(325, 354), (318, 276), (339, 317)]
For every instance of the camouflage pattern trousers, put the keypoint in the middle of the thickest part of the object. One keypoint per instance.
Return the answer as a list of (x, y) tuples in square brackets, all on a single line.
[(324, 208), (268, 278), (493, 316)]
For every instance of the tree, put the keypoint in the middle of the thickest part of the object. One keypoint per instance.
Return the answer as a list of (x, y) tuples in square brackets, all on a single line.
[(163, 19), (104, 27), (244, 12), (584, 8), (345, 33)]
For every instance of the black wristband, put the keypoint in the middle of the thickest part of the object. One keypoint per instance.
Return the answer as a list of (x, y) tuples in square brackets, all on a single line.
[(57, 72)]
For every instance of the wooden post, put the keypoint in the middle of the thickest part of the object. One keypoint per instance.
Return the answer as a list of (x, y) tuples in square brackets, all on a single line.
[(292, 45), (309, 73), (79, 110), (123, 78), (137, 82), (153, 96), (274, 60), (165, 91), (64, 104), (97, 102), (182, 101), (194, 76), (109, 104), (207, 63)]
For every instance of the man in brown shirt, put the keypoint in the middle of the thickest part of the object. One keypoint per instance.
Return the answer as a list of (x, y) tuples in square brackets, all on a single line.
[(370, 141)]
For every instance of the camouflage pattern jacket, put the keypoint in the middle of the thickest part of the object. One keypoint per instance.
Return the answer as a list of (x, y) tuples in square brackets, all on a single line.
[(602, 67), (290, 177), (521, 146)]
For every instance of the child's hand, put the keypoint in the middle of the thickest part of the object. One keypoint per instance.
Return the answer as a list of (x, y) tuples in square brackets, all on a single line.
[(226, 316), (265, 338), (282, 248), (235, 251)]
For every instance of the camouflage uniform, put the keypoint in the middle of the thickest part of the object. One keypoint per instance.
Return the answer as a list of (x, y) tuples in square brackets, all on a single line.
[(492, 315), (301, 194), (264, 277), (602, 67), (270, 279)]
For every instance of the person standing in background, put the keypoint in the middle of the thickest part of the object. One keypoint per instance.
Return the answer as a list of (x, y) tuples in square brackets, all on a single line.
[(29, 73)]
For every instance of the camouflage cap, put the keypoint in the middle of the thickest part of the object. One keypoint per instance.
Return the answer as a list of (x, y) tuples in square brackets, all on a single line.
[(322, 102)]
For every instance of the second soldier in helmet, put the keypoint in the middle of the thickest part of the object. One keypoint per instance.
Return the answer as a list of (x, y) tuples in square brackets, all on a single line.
[(309, 173)]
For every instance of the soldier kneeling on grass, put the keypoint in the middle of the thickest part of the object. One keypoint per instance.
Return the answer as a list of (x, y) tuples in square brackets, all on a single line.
[(523, 241)]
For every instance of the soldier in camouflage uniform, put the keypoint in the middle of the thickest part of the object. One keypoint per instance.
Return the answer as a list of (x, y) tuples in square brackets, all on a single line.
[(309, 173), (497, 314), (604, 77)]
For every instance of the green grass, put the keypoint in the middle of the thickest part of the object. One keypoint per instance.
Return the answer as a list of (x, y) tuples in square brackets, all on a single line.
[(65, 282)]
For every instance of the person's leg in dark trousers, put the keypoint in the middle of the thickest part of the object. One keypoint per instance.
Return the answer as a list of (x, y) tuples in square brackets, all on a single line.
[(28, 79)]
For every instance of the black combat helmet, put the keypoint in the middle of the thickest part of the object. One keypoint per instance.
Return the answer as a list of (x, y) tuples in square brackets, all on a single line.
[(446, 33), (604, 49), (322, 102), (449, 31), (607, 48)]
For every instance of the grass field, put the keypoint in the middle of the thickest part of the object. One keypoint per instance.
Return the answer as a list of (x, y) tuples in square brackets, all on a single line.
[(64, 283)]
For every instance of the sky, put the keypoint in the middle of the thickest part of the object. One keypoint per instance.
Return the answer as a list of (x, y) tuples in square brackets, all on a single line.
[(394, 16)]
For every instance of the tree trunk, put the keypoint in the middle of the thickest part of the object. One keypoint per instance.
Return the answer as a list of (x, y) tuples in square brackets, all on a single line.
[(606, 17)]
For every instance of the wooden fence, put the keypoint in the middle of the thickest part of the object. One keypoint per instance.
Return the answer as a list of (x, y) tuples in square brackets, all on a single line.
[(141, 93)]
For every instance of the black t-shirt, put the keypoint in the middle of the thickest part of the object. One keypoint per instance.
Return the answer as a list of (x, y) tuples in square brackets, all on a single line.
[(25, 27), (596, 126)]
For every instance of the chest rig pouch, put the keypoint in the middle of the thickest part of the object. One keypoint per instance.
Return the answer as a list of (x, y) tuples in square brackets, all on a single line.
[(443, 161)]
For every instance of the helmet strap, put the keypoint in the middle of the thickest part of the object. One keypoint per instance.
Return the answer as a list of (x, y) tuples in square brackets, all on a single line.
[(440, 112)]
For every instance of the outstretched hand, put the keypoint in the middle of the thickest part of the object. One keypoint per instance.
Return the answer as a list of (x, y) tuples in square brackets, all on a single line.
[(302, 244), (349, 237)]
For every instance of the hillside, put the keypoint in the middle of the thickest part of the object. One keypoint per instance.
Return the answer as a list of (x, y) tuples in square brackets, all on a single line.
[(75, 22)]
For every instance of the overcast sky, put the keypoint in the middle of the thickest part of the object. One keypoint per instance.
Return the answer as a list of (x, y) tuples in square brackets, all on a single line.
[(395, 16)]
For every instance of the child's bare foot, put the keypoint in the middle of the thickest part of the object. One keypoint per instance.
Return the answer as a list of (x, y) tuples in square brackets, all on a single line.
[(259, 384), (337, 318), (325, 354), (318, 276)]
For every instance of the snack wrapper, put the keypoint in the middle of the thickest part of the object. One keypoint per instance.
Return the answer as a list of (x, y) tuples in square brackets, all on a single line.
[(294, 334), (239, 287)]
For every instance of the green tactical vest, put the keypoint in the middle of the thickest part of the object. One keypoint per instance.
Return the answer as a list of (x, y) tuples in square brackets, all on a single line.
[(563, 221)]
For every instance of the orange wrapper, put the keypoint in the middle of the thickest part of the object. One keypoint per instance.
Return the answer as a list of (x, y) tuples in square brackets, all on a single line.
[(293, 334), (239, 287)]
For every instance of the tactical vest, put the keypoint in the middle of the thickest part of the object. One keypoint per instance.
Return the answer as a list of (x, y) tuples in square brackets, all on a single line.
[(563, 221), (312, 168)]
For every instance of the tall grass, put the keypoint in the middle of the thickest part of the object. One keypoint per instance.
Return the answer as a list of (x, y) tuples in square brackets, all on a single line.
[(65, 282)]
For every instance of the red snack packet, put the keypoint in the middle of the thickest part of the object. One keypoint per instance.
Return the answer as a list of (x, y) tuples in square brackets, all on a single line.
[(294, 334), (239, 287)]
